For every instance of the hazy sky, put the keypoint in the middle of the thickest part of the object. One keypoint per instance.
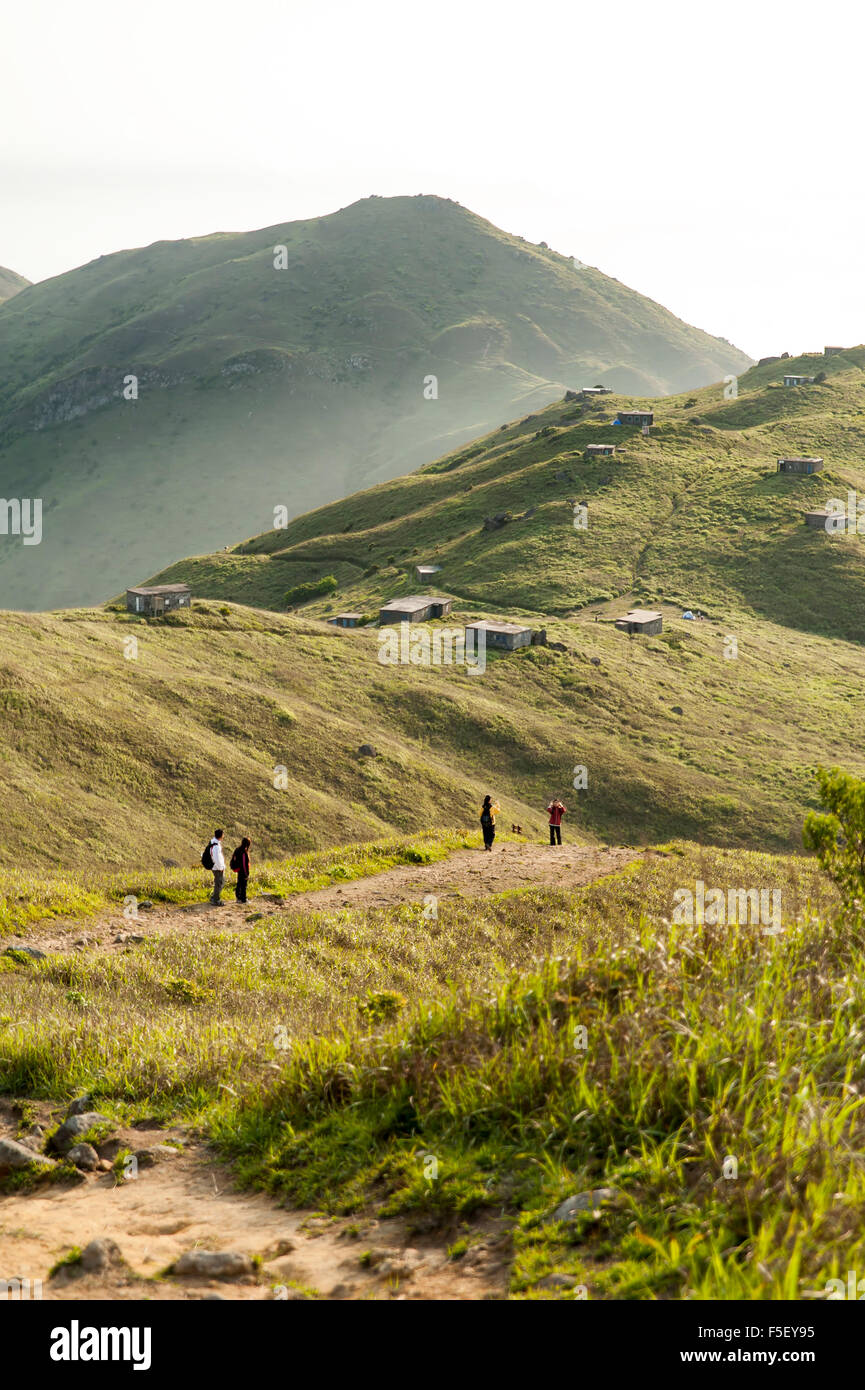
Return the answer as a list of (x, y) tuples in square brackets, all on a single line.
[(708, 156)]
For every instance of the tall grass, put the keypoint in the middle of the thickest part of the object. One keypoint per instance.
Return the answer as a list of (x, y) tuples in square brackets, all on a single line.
[(550, 1042)]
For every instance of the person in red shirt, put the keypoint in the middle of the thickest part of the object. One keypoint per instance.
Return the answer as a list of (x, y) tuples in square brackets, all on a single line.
[(555, 811)]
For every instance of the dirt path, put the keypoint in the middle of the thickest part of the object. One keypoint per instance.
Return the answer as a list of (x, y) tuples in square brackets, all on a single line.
[(189, 1203), (466, 873)]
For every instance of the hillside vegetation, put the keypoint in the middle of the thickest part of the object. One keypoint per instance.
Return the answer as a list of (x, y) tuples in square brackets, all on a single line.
[(696, 515), (252, 720), (701, 1083), (261, 387)]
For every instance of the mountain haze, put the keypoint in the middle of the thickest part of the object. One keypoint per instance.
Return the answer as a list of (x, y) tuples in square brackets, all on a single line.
[(261, 387)]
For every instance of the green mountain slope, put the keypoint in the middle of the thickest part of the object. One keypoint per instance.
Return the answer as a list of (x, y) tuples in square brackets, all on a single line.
[(261, 387), (696, 514), (111, 760), (11, 283)]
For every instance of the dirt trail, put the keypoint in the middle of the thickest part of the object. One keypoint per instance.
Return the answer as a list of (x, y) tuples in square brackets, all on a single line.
[(466, 873), (189, 1203)]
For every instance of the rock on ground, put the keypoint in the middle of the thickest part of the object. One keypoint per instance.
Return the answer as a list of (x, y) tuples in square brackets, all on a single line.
[(73, 1129), (213, 1264), (83, 1156), (14, 1156), (594, 1200)]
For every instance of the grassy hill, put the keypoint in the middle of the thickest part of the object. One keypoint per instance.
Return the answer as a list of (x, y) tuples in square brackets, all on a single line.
[(11, 283), (261, 387), (695, 515), (109, 761)]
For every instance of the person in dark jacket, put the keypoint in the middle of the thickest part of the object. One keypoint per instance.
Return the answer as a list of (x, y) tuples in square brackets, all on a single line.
[(240, 865), (489, 811)]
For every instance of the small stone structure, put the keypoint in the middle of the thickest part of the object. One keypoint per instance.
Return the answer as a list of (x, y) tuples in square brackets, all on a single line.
[(414, 609), (800, 465), (152, 601), (505, 636), (346, 619), (645, 621)]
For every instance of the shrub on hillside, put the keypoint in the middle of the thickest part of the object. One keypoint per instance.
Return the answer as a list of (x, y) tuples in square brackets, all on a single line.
[(837, 834), (314, 588)]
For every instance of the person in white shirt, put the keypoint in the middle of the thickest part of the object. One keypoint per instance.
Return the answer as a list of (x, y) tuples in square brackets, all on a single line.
[(218, 859)]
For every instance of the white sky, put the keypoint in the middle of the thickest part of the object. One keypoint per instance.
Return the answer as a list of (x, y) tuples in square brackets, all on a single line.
[(707, 155)]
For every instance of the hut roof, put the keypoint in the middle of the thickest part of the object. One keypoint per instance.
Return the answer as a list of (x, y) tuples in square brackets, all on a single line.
[(161, 589), (498, 627)]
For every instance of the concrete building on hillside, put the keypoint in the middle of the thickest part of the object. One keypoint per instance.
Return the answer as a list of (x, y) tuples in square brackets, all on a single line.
[(800, 465), (426, 572), (636, 417), (414, 609), (588, 391), (794, 379), (594, 451), (832, 351), (346, 619), (505, 636), (645, 621), (818, 518), (157, 599)]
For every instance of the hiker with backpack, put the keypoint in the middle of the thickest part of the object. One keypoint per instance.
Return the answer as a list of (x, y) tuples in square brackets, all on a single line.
[(239, 864), (213, 859), (489, 811), (556, 810)]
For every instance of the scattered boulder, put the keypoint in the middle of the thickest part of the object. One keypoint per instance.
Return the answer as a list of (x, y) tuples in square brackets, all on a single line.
[(677, 709), (30, 952), (495, 523), (15, 1157), (556, 1281), (110, 1149), (73, 1129), (84, 1156), (539, 637), (99, 1255), (213, 1264), (81, 1105), (594, 1200), (366, 750), (155, 1153), (595, 660), (146, 905)]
